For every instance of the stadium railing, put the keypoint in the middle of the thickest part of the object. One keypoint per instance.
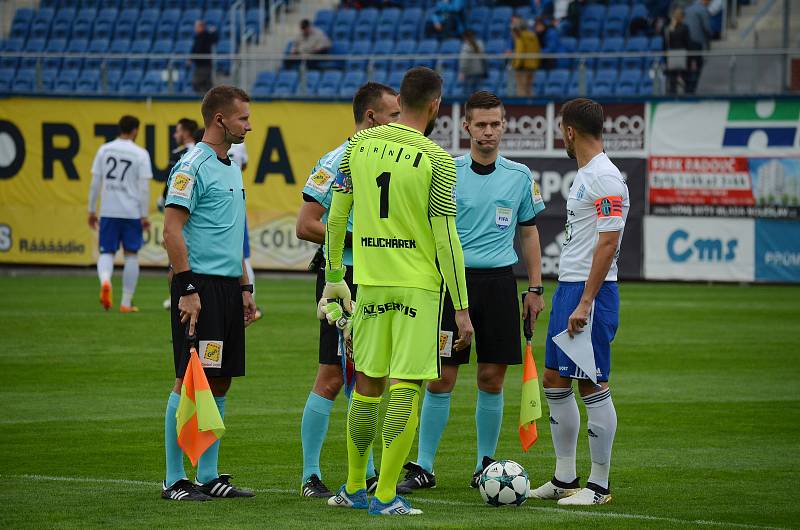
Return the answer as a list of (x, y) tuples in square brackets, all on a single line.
[(596, 74)]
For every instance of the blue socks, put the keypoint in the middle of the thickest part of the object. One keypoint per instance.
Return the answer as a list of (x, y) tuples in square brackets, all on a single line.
[(313, 430), (207, 465), (433, 420), (488, 419), (175, 471)]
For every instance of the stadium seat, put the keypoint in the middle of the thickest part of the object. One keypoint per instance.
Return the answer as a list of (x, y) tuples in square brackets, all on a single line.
[(411, 20), (497, 30), (214, 16), (263, 86), (99, 46), (66, 14), (496, 46), (153, 83), (81, 29), (65, 82), (223, 64), (47, 79), (628, 83), (380, 76), (35, 45), (9, 63), (380, 52), (539, 81), (252, 23), (524, 12), (14, 45), (342, 26), (19, 29), (182, 47), (311, 81), (170, 15), (363, 30), (359, 48), (394, 79), (634, 44), (427, 47), (502, 14), (160, 47), (25, 81), (24, 14), (285, 83), (656, 45), (351, 83), (639, 11), (217, 4), (592, 12), (6, 79), (611, 45), (614, 28), (603, 83), (619, 13), (646, 86), (367, 15), (450, 47), (328, 85), (404, 47), (478, 15), (61, 30), (323, 19), (589, 45), (566, 45), (387, 23), (591, 28), (573, 90), (152, 4), (129, 82)]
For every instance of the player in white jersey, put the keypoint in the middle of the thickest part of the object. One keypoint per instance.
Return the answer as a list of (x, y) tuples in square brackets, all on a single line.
[(121, 175), (586, 301)]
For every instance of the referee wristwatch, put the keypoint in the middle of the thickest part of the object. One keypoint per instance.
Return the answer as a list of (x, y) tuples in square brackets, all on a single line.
[(248, 287), (539, 290)]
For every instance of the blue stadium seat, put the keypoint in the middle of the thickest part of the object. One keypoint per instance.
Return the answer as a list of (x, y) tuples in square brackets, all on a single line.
[(555, 89), (144, 30), (160, 47), (153, 83), (81, 29), (656, 45), (524, 12), (129, 82), (411, 20), (65, 82), (591, 28), (389, 15), (368, 15), (56, 46), (6, 78), (61, 30), (589, 45), (450, 47), (502, 14), (118, 46), (78, 46), (646, 86), (395, 79), (496, 46), (610, 45), (566, 45), (345, 17), (67, 14), (323, 19), (380, 52), (170, 15), (182, 47), (628, 84), (253, 23), (164, 30), (573, 90), (539, 81), (47, 78), (35, 45), (351, 83), (380, 76), (285, 83), (619, 13), (223, 64), (107, 13), (127, 20), (9, 63), (403, 47), (311, 82), (328, 85), (173, 4), (427, 47), (262, 88), (478, 15), (19, 29), (386, 29), (635, 44), (343, 29), (138, 47), (498, 30), (99, 46), (14, 45), (24, 82), (214, 16), (87, 13), (191, 15), (639, 11), (359, 48), (603, 83), (218, 4), (592, 12), (24, 14), (151, 4), (614, 28)]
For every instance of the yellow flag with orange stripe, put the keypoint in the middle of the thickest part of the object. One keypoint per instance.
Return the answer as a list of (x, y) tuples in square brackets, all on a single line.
[(199, 421), (530, 408)]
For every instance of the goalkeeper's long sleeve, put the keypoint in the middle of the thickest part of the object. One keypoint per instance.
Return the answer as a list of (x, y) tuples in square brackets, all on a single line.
[(335, 231), (451, 259)]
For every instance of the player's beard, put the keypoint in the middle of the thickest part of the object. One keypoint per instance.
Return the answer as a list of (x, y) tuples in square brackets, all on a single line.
[(231, 139), (570, 149)]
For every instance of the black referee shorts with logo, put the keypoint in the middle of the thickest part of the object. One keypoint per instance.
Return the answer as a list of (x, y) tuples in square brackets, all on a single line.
[(494, 311), (219, 328), (329, 335)]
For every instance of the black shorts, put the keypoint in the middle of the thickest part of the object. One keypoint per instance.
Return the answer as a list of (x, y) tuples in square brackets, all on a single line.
[(219, 328), (329, 335), (494, 311)]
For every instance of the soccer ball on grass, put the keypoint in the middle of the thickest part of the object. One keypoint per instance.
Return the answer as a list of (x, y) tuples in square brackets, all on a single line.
[(504, 483)]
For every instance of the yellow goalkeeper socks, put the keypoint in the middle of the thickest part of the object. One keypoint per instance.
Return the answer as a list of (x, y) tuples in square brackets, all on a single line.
[(362, 424), (399, 429)]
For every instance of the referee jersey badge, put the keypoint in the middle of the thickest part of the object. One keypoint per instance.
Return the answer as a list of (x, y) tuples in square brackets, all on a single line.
[(211, 353), (503, 217)]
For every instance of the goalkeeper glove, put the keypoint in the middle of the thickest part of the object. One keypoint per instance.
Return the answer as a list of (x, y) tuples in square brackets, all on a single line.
[(335, 287)]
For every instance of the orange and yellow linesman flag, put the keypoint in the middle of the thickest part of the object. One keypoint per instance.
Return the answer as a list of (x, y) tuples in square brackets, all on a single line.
[(531, 406), (199, 422)]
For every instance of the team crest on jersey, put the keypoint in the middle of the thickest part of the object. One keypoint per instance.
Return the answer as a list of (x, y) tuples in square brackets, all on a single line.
[(581, 192), (537, 195), (211, 353), (343, 183), (182, 184)]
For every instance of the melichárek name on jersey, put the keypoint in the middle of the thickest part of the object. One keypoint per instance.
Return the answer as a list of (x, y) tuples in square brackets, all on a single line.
[(387, 242)]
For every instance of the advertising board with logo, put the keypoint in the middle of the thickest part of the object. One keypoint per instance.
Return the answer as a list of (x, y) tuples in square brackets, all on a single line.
[(725, 128), (724, 186), (624, 128), (777, 250), (684, 248)]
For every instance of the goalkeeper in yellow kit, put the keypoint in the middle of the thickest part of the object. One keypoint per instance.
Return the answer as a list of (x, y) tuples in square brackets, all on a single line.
[(400, 186)]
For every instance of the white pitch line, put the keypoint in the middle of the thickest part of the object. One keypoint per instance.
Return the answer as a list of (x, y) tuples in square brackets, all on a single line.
[(601, 515)]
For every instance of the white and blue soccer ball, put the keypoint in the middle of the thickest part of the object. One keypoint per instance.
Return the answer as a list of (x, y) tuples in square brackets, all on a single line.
[(504, 483)]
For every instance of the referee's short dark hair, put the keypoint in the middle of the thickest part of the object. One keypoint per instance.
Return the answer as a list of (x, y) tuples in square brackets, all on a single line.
[(188, 125), (584, 115), (420, 86), (369, 95), (219, 99), (482, 100), (128, 124)]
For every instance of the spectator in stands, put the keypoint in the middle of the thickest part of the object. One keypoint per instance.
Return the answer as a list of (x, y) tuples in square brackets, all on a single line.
[(204, 40), (698, 21), (676, 37), (548, 40), (574, 11), (446, 19), (311, 41), (471, 67), (525, 42)]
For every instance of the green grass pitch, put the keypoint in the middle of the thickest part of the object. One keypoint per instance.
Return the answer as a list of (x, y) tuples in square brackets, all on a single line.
[(705, 381)]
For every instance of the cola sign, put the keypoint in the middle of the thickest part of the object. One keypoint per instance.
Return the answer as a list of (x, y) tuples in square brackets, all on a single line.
[(623, 127)]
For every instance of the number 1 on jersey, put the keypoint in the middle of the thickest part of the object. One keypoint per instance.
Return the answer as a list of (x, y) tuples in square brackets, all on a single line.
[(383, 183)]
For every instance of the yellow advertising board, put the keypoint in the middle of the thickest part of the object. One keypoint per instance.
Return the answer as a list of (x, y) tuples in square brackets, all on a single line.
[(47, 147)]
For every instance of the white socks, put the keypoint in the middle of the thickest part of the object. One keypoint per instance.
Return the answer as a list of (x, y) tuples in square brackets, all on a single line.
[(130, 275), (105, 267), (602, 426), (565, 420)]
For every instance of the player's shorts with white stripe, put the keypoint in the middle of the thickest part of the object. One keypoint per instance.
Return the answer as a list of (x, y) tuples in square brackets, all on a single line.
[(604, 328)]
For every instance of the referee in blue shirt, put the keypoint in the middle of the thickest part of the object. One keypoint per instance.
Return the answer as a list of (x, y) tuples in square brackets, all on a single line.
[(493, 196), (211, 293)]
